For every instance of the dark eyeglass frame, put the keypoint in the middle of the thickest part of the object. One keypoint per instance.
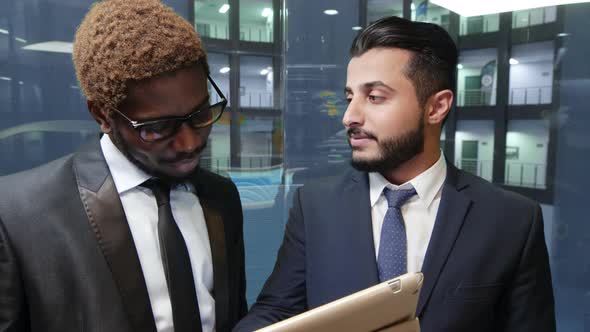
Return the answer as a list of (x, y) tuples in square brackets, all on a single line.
[(178, 120)]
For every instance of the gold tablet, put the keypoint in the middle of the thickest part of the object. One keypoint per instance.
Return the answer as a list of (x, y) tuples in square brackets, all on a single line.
[(389, 306)]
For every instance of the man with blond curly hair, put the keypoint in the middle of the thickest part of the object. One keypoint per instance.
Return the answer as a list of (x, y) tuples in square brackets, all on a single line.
[(128, 233)]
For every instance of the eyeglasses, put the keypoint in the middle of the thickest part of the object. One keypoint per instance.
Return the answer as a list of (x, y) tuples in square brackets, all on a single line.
[(163, 128)]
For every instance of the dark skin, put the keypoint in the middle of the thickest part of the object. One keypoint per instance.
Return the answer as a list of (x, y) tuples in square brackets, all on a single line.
[(176, 93)]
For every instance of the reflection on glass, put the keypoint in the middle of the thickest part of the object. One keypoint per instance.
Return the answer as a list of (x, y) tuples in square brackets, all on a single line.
[(423, 11), (256, 135), (219, 71), (256, 82), (260, 175), (477, 78), (216, 156), (479, 24), (526, 153), (531, 74), (377, 9), (6, 94), (535, 16), (256, 21), (211, 18), (474, 147), (443, 137)]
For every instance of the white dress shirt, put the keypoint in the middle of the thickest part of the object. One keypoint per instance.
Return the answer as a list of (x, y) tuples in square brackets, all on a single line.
[(141, 211), (419, 212)]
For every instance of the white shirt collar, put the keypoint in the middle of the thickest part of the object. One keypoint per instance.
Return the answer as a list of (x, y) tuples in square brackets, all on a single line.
[(125, 174), (427, 183)]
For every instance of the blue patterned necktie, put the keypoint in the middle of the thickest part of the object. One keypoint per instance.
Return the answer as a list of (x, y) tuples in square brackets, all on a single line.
[(393, 249)]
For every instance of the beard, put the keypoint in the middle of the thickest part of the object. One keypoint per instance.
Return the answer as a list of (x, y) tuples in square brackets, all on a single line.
[(127, 151), (393, 151)]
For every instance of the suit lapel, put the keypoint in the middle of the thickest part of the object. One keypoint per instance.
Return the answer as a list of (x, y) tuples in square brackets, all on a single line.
[(356, 220), (217, 239), (220, 278), (450, 217), (107, 218)]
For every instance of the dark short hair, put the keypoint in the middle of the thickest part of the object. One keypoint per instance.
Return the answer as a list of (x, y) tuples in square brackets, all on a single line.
[(433, 64)]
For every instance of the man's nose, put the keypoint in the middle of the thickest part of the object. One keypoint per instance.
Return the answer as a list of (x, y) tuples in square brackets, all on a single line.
[(187, 139), (353, 117)]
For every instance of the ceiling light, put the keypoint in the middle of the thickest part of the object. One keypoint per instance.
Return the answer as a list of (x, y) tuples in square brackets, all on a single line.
[(356, 28), (224, 70), (485, 7), (4, 78), (413, 6), (330, 12), (20, 40), (513, 61), (266, 12), (4, 32), (264, 72), (563, 34), (224, 8), (459, 66), (50, 46)]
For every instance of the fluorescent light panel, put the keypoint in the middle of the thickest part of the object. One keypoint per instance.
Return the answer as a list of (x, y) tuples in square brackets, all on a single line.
[(330, 12), (224, 8), (266, 12), (485, 7), (50, 46)]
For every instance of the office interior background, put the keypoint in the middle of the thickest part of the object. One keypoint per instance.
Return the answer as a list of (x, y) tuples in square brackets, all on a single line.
[(520, 121)]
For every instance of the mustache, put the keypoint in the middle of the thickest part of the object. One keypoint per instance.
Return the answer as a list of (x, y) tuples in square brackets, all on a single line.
[(357, 131), (186, 155)]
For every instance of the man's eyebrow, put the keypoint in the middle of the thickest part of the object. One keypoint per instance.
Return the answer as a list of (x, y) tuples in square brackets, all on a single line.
[(369, 85), (373, 84)]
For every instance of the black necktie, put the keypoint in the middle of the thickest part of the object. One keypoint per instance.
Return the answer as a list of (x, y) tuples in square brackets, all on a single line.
[(177, 264)]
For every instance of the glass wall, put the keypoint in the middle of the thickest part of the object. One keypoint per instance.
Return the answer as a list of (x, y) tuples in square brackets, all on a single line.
[(43, 114), (256, 20), (424, 11), (474, 147), (377, 9), (219, 71), (531, 73), (256, 82), (211, 18), (526, 153), (479, 24), (534, 16), (477, 78)]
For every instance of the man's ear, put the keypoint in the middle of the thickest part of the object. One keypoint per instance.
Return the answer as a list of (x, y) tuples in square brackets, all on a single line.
[(439, 106), (100, 115)]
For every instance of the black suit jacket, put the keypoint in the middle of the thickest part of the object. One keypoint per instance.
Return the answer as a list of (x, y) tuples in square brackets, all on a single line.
[(67, 257), (486, 266)]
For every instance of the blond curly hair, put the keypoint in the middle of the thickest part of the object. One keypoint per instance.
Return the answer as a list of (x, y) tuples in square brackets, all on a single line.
[(126, 40)]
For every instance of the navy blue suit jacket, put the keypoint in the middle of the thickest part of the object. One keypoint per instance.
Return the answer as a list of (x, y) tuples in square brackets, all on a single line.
[(486, 267)]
